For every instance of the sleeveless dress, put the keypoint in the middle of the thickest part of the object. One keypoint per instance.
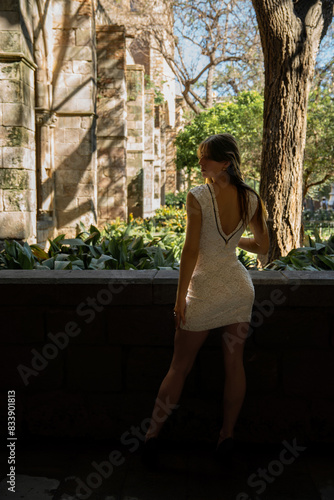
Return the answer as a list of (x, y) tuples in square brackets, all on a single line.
[(220, 291)]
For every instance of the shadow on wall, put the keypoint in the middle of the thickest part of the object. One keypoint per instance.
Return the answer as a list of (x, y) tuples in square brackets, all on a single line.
[(75, 169), (135, 190), (74, 165)]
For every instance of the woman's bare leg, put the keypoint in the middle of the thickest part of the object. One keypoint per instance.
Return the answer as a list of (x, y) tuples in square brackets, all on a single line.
[(186, 346), (234, 337)]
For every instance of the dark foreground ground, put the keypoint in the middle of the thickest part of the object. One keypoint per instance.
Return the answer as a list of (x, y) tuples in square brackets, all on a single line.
[(70, 470)]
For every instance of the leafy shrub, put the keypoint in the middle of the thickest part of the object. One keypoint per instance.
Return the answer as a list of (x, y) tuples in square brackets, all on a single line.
[(176, 200), (247, 259), (318, 215), (140, 244), (315, 257), (151, 243)]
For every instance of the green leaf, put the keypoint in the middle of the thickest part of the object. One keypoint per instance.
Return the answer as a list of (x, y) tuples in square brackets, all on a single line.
[(61, 265), (78, 263), (297, 262), (328, 261), (39, 252), (74, 242), (54, 248), (49, 263), (40, 266), (93, 238), (128, 266), (158, 258), (59, 238), (11, 248), (62, 257), (27, 250), (25, 262)]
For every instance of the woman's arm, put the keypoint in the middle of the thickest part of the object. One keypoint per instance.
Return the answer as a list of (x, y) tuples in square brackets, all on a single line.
[(191, 245), (260, 243), (187, 266)]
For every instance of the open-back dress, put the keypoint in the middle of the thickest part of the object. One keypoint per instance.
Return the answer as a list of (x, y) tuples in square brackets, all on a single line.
[(220, 291)]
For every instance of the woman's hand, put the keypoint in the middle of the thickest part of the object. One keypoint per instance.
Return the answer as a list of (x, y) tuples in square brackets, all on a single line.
[(179, 310)]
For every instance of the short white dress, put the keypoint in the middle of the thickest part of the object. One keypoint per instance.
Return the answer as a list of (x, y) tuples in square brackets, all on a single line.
[(220, 291)]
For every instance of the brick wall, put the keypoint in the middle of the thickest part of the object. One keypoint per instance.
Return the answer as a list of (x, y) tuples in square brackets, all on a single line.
[(94, 346)]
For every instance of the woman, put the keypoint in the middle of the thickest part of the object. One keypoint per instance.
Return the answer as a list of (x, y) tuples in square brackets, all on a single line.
[(214, 288)]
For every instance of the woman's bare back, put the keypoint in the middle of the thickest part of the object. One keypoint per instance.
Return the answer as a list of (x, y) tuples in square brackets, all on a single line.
[(228, 206)]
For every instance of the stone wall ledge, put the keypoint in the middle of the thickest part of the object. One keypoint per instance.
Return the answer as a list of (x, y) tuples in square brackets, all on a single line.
[(155, 276), (17, 57)]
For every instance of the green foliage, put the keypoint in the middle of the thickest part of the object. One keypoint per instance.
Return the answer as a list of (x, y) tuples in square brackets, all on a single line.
[(318, 224), (16, 256), (318, 256), (247, 259), (151, 243), (176, 200), (319, 147), (241, 117), (318, 215)]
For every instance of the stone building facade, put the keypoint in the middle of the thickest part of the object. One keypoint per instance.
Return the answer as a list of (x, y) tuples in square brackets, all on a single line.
[(83, 136)]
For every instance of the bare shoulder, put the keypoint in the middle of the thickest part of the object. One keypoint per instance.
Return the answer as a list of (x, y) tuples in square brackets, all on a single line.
[(197, 196), (191, 198), (193, 205)]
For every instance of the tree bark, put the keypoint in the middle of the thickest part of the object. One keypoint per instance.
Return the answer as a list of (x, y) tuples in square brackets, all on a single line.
[(291, 32)]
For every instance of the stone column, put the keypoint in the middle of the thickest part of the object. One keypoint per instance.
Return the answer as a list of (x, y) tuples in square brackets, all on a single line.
[(163, 176), (17, 123), (73, 100), (46, 121), (170, 160), (157, 158), (135, 145), (45, 124), (148, 191), (111, 123), (179, 124)]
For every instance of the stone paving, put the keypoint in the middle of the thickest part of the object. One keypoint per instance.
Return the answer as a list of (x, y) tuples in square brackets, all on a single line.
[(59, 470)]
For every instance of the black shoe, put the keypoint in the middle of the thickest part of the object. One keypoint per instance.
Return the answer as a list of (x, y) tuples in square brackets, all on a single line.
[(225, 451), (150, 453)]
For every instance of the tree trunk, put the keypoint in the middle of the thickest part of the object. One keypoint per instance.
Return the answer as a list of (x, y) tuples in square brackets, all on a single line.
[(290, 35)]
